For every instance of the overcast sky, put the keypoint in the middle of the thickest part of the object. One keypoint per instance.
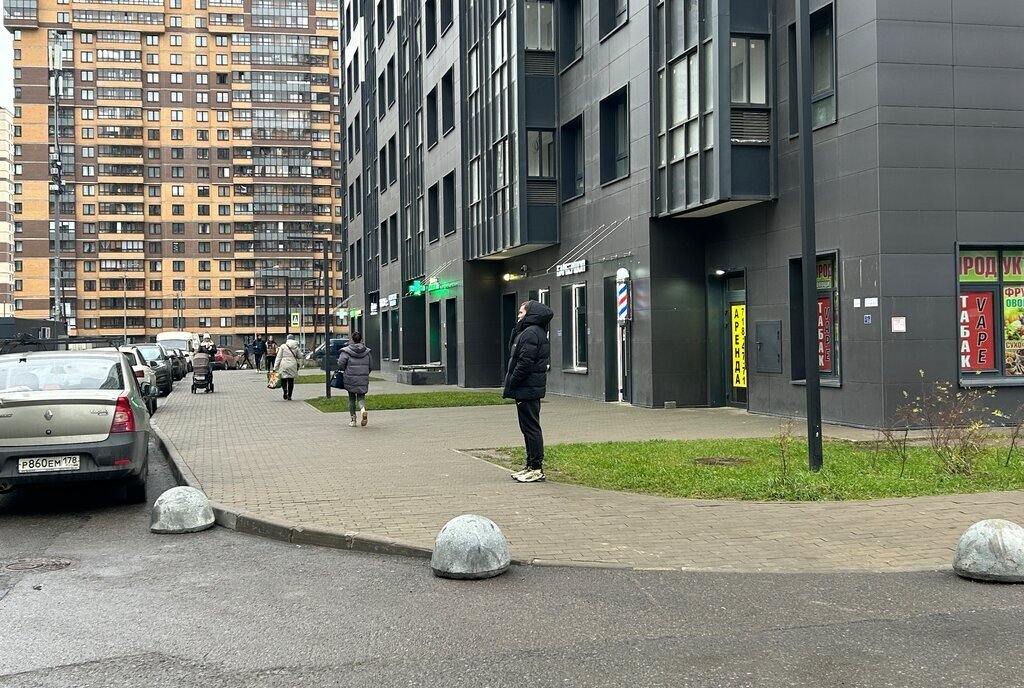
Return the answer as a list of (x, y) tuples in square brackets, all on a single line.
[(6, 68)]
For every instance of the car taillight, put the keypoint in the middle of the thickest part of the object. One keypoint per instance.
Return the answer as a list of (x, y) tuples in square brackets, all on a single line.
[(124, 419), (140, 374)]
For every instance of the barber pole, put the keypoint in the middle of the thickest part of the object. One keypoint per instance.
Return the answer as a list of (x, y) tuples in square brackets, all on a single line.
[(622, 287)]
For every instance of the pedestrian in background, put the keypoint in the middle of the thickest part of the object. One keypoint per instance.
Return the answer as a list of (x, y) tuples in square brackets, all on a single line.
[(287, 365), (259, 347), (271, 352), (355, 362), (247, 361), (526, 382)]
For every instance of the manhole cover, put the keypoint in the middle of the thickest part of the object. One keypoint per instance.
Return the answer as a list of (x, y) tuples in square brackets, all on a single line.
[(720, 461), (37, 565)]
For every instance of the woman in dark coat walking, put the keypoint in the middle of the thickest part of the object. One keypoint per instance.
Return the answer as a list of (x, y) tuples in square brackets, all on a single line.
[(355, 362), (526, 382)]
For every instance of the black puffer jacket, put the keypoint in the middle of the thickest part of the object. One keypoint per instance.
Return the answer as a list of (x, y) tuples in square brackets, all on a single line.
[(527, 374)]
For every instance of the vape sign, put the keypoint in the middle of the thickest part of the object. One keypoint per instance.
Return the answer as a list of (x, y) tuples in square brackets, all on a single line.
[(977, 347)]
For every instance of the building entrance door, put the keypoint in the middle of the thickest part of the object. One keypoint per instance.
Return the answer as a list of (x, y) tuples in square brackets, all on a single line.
[(735, 354), (434, 333), (451, 341)]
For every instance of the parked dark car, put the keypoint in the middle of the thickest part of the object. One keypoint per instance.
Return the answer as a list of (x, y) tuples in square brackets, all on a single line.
[(337, 344), (157, 357), (179, 366), (73, 416)]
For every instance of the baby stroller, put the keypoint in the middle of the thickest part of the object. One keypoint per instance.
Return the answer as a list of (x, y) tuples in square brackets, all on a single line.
[(202, 375)]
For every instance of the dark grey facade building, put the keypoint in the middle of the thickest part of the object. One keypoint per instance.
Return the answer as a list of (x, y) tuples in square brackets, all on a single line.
[(575, 152)]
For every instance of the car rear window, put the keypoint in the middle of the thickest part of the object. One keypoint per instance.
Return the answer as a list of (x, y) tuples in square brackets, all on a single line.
[(151, 352), (68, 372)]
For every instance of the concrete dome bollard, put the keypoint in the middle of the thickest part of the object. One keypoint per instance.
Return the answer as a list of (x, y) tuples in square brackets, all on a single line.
[(991, 550), (181, 510), (470, 547)]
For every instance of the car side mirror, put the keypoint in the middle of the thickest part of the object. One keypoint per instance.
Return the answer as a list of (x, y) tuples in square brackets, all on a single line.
[(149, 390)]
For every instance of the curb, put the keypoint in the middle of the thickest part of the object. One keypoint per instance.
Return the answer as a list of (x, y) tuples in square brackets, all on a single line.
[(263, 526)]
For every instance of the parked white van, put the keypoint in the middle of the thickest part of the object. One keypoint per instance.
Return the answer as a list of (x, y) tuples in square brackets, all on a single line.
[(186, 341)]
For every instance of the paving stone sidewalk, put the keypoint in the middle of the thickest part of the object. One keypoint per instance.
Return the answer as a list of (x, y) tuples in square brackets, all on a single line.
[(403, 477)]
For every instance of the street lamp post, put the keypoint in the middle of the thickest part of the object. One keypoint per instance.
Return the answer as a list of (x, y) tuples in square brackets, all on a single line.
[(812, 377), (124, 303), (56, 65), (327, 319)]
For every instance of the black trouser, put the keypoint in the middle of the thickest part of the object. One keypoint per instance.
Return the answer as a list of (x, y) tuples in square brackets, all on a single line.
[(529, 424), (259, 357), (287, 386)]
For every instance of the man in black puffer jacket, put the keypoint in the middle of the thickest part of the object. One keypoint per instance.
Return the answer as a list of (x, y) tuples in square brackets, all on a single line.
[(526, 382)]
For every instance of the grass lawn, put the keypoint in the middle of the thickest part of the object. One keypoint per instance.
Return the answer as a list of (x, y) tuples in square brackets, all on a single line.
[(413, 400), (318, 378), (751, 469)]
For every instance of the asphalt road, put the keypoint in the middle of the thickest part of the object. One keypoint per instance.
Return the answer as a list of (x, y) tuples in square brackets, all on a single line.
[(219, 609)]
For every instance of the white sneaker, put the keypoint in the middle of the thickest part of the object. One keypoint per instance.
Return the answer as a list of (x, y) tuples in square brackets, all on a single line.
[(535, 475), (519, 474), (364, 419), (352, 423)]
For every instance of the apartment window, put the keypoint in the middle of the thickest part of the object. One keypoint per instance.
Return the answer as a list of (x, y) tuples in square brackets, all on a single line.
[(432, 118), (823, 72), (573, 181), (570, 38), (449, 202), (613, 14), (540, 156), (574, 343), (204, 285), (448, 101), (433, 213), (748, 71), (430, 23), (446, 16), (540, 25), (615, 136)]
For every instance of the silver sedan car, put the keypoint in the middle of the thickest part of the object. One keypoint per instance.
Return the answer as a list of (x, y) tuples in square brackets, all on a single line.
[(72, 416)]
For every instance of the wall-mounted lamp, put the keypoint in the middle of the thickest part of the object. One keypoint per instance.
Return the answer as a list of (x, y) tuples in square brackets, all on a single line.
[(719, 272), (510, 276)]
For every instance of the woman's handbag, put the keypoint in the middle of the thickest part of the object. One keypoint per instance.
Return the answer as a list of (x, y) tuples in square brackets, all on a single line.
[(273, 380), (338, 379)]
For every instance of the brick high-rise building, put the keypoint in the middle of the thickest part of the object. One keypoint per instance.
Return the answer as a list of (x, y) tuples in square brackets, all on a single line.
[(197, 141), (6, 229)]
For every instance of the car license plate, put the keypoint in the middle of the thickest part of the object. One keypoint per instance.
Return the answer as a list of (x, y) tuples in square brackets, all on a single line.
[(43, 464)]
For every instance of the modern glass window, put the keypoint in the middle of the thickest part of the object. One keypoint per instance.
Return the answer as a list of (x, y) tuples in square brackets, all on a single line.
[(433, 213), (749, 71), (448, 101), (449, 202), (574, 325), (432, 118), (430, 23), (573, 180), (990, 312), (823, 71), (540, 25), (614, 132), (570, 32), (540, 158), (613, 14)]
